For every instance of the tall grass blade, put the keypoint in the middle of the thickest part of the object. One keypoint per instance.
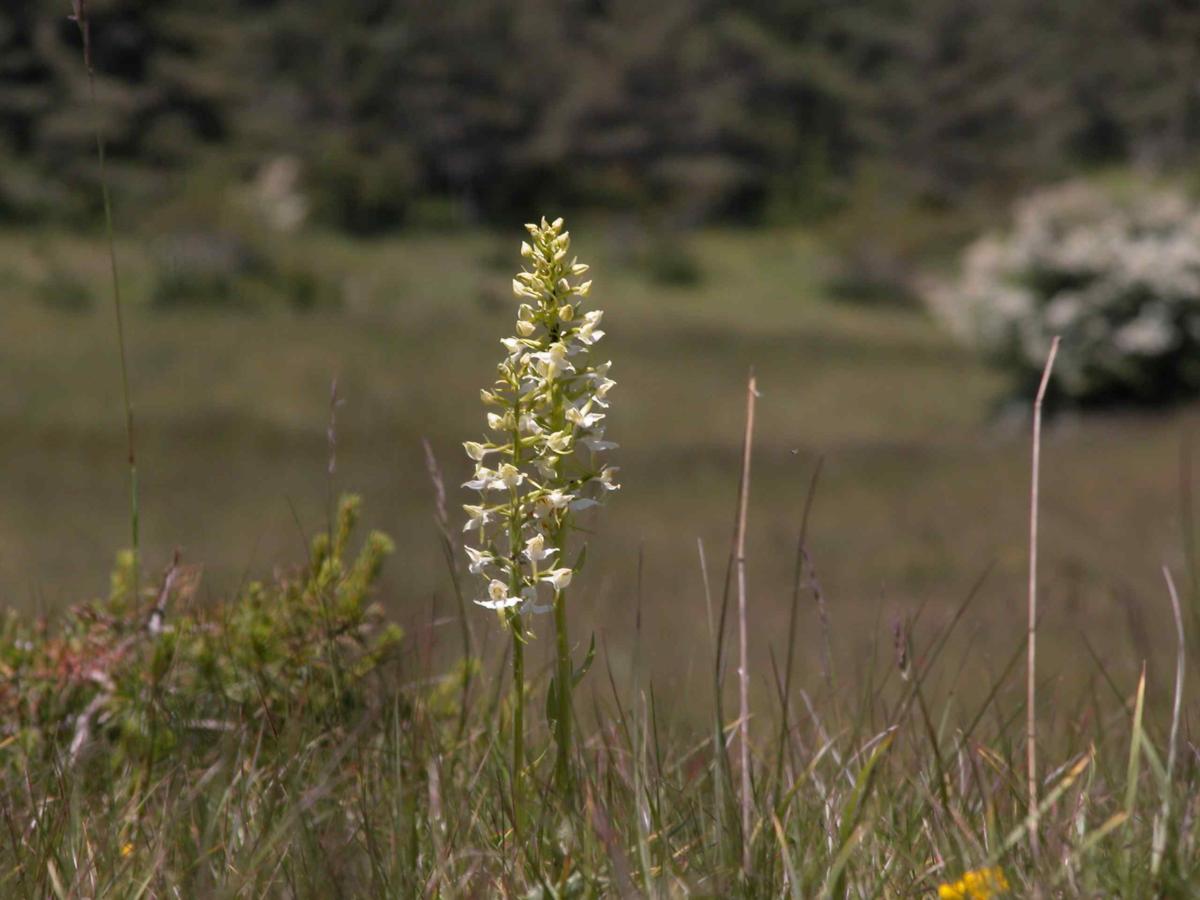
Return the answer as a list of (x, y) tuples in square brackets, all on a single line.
[(849, 831), (80, 17), (793, 616), (1021, 831), (795, 889), (1135, 745), (442, 520), (1162, 821)]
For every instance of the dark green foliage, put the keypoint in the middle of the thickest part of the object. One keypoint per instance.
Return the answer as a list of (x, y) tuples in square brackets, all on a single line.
[(976, 93), (667, 260), (360, 191), (166, 89), (63, 290), (886, 237), (203, 269), (489, 109), (226, 269)]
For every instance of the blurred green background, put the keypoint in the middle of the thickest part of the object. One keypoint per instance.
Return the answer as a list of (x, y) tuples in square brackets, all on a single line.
[(309, 191)]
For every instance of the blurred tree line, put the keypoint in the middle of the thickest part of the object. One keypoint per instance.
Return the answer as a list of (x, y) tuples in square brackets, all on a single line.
[(686, 109)]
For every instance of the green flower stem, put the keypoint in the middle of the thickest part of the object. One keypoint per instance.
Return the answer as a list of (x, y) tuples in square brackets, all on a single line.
[(518, 745), (514, 623), (565, 679)]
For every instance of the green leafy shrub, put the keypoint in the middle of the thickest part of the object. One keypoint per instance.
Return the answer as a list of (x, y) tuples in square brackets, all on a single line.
[(63, 290), (224, 269), (883, 236), (304, 290), (133, 676), (667, 260), (1116, 275), (203, 269), (362, 191)]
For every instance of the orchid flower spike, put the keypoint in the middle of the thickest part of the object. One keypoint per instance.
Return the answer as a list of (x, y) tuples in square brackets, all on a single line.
[(545, 432)]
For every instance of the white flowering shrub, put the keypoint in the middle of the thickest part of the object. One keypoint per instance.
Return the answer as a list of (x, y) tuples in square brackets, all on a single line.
[(1118, 277), (541, 460)]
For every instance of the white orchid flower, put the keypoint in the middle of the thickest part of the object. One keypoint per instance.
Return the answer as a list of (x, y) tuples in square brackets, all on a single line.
[(484, 477), (559, 579), (553, 362), (536, 549), (529, 424), (477, 517), (517, 351), (581, 418), (479, 560), (498, 597), (559, 442), (600, 391), (477, 451), (548, 503), (509, 476), (522, 290), (606, 478), (588, 333)]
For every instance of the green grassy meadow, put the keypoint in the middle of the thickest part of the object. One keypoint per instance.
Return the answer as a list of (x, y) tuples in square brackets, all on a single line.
[(924, 482), (247, 647), (287, 743)]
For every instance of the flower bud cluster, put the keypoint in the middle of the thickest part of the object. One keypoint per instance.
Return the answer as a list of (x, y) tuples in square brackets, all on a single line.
[(541, 461)]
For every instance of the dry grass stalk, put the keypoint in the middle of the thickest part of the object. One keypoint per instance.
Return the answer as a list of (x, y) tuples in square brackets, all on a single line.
[(1031, 668), (743, 663), (1163, 821)]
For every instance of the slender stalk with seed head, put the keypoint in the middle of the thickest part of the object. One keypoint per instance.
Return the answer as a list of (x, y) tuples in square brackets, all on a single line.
[(80, 17), (547, 434)]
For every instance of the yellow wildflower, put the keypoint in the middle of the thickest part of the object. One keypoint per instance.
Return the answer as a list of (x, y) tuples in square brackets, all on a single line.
[(978, 884), (126, 850)]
